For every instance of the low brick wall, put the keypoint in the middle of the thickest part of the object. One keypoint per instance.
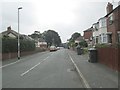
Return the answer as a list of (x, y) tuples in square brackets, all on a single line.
[(6, 56), (110, 57)]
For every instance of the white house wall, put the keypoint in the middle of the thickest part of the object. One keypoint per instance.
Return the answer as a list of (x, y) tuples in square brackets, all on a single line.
[(101, 33), (103, 30), (11, 35), (95, 33)]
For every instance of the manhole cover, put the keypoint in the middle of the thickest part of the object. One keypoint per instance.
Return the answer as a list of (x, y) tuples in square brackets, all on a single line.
[(69, 70)]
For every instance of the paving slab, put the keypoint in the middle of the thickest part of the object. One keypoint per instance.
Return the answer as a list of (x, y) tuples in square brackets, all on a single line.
[(96, 74)]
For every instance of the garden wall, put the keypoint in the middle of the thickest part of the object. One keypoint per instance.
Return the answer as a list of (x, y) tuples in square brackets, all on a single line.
[(109, 56), (6, 56)]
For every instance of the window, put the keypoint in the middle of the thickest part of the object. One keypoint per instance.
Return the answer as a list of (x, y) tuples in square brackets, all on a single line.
[(93, 40), (110, 18), (100, 38), (104, 38), (102, 22), (109, 38), (95, 26), (119, 38), (97, 39)]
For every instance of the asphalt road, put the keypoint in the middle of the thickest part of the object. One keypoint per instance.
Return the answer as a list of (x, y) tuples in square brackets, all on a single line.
[(41, 70)]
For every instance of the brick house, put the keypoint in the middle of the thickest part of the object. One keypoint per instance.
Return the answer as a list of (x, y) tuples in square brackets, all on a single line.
[(79, 39), (88, 35), (42, 43), (39, 41), (107, 29), (113, 23), (13, 34), (10, 33), (110, 56)]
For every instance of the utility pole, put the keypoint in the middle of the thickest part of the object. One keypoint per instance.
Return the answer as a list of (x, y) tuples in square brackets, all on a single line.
[(18, 35)]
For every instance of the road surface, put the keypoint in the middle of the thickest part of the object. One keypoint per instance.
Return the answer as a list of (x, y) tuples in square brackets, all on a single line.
[(41, 70)]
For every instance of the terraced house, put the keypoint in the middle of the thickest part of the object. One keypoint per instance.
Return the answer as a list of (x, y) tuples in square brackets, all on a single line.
[(113, 24), (88, 36), (107, 29)]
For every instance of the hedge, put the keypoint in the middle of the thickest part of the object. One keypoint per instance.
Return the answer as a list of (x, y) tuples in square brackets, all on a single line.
[(11, 45)]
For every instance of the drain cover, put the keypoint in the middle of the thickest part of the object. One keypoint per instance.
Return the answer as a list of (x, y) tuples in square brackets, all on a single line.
[(69, 70)]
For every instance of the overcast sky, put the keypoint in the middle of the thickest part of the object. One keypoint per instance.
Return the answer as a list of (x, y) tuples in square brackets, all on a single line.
[(63, 16)]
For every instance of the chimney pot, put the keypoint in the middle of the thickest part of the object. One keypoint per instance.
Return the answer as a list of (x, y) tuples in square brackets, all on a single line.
[(109, 7), (9, 28)]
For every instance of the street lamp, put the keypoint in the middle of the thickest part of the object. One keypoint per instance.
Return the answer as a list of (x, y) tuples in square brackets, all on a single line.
[(18, 35)]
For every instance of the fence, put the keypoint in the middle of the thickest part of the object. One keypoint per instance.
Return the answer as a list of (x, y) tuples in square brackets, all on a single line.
[(110, 57), (11, 55)]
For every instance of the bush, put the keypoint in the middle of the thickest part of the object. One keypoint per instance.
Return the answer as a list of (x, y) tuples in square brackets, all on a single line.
[(27, 45), (117, 45), (0, 44), (85, 50), (11, 45), (83, 44), (101, 45)]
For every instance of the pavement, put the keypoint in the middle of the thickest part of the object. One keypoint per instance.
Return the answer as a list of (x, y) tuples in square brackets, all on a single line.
[(96, 75)]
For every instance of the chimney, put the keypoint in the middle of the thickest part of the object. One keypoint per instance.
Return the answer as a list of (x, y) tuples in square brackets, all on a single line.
[(9, 28), (109, 7), (118, 3)]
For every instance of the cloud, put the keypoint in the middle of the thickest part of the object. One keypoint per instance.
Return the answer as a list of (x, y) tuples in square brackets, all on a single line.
[(63, 16), (10, 14)]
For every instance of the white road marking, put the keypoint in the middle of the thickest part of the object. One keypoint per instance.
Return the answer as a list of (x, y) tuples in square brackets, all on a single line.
[(80, 74), (34, 66), (13, 63), (9, 64)]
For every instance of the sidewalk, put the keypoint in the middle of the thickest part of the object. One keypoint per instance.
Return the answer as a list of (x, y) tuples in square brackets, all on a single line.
[(97, 75)]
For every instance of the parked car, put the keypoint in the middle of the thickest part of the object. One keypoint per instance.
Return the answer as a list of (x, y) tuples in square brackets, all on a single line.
[(58, 48), (53, 48)]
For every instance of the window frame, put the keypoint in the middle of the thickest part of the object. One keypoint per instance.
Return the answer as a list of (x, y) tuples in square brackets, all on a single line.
[(110, 19)]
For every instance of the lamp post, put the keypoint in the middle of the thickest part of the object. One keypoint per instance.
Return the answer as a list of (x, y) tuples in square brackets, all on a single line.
[(18, 35)]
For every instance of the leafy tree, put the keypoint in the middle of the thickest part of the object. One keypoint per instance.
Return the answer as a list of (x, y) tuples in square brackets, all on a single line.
[(75, 35), (83, 43), (52, 38), (36, 35)]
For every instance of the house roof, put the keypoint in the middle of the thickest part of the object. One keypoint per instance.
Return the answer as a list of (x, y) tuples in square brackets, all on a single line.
[(79, 38), (89, 29), (9, 30), (27, 37), (101, 18), (15, 33), (113, 10)]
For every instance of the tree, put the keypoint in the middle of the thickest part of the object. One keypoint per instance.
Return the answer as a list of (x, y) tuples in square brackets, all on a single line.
[(83, 43), (36, 35), (52, 38), (75, 35)]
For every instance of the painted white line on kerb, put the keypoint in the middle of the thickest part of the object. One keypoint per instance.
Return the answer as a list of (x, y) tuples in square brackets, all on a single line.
[(34, 66), (81, 75), (9, 64)]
